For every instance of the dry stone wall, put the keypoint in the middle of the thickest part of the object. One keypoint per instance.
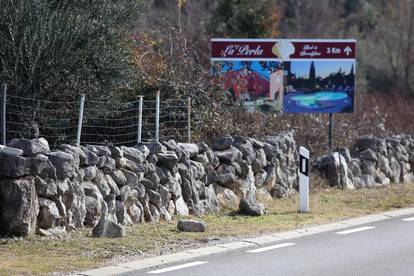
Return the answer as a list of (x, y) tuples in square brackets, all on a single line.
[(371, 162), (44, 191)]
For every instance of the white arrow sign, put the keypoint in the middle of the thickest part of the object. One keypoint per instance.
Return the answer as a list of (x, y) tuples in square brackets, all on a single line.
[(348, 50)]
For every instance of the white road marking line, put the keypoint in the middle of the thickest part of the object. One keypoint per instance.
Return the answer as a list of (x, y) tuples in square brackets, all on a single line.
[(355, 230), (177, 267), (262, 249), (408, 219)]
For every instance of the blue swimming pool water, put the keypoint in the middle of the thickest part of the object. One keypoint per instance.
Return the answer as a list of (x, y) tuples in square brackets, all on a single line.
[(312, 99), (322, 101)]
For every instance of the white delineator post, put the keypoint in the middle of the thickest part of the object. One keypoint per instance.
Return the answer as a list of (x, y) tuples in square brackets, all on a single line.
[(303, 180)]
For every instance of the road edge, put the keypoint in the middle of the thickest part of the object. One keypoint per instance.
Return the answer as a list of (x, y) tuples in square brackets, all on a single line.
[(243, 243)]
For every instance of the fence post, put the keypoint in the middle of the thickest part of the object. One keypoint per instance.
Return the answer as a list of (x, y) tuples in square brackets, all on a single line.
[(157, 117), (3, 113), (189, 119), (139, 137), (81, 107)]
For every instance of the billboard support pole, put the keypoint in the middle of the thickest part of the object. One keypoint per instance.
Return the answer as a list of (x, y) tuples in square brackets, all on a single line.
[(3, 113), (330, 131)]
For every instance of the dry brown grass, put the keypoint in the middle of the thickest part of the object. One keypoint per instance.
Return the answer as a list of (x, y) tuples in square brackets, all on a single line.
[(79, 251)]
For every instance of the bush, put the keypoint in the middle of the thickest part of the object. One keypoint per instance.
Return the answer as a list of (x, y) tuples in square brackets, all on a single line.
[(52, 48)]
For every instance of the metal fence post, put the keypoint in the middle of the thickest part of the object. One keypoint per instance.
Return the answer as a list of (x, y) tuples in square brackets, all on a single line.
[(81, 107), (189, 119), (3, 113), (157, 117), (139, 138)]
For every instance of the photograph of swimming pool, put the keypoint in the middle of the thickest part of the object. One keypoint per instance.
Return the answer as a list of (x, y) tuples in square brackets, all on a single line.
[(322, 101), (319, 87)]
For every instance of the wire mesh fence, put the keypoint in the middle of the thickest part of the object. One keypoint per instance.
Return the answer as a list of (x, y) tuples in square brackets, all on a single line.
[(87, 121)]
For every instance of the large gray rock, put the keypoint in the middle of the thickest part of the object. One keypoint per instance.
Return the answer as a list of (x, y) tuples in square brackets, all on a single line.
[(154, 213), (107, 227), (181, 152), (122, 214), (107, 164), (186, 190), (155, 147), (250, 207), (210, 203), (112, 185), (368, 155), (101, 182), (74, 201), (229, 155), (154, 198), (174, 186), (408, 178), (64, 164), (368, 181), (131, 178), (134, 167), (335, 169), (116, 152), (197, 170), (90, 157), (375, 144), (77, 153), (93, 211), (368, 167), (133, 154), (19, 206), (144, 149), (46, 187), (149, 185), (90, 173), (62, 186), (99, 150), (41, 165), (49, 215), (192, 149), (191, 226), (30, 147), (226, 196), (181, 209), (246, 147), (167, 159), (119, 178), (136, 212), (223, 143), (15, 166)]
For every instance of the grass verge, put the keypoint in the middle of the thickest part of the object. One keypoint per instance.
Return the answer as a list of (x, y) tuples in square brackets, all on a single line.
[(78, 251)]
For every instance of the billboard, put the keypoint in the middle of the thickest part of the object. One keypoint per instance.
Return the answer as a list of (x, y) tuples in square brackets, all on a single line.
[(290, 75)]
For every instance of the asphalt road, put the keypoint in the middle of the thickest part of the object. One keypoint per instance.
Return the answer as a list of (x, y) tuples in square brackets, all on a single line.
[(381, 248)]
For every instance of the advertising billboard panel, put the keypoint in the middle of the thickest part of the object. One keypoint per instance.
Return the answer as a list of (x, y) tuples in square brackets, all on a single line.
[(296, 75)]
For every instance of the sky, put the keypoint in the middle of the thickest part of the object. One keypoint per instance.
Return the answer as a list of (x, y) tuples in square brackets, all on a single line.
[(322, 68)]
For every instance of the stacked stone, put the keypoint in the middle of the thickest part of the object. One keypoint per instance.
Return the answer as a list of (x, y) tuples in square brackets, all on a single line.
[(371, 162), (106, 186), (248, 167)]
